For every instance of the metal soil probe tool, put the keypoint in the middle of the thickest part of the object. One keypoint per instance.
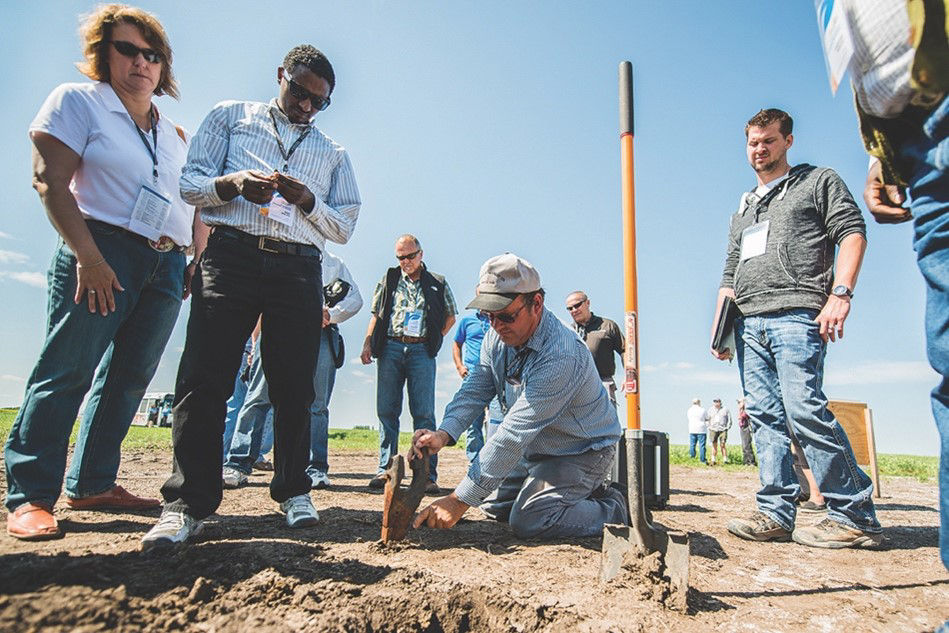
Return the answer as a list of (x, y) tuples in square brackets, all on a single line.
[(401, 503), (640, 538)]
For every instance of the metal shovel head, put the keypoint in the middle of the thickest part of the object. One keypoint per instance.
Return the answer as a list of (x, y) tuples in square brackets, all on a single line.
[(401, 503), (626, 547)]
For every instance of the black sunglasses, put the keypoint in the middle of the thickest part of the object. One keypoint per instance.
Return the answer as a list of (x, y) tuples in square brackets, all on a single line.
[(502, 316), (409, 256), (131, 50), (299, 92), (575, 306)]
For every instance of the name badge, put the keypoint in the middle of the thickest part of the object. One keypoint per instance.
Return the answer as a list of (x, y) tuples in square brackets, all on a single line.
[(280, 210), (754, 240), (413, 323), (150, 213)]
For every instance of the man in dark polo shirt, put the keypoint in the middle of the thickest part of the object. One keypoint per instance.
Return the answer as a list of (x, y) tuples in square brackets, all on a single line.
[(602, 336), (412, 310)]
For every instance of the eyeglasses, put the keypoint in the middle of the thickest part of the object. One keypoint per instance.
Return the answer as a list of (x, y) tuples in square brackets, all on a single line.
[(132, 51), (503, 317), (512, 372), (299, 92), (575, 306), (402, 258)]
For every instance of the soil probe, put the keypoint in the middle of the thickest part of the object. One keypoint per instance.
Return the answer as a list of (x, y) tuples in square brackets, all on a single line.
[(401, 503), (640, 538)]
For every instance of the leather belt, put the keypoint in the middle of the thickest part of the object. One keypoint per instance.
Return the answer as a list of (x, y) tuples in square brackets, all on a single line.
[(408, 339), (269, 244), (163, 244)]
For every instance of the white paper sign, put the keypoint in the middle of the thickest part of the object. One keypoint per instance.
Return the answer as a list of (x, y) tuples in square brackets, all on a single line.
[(836, 38), (150, 213), (754, 240)]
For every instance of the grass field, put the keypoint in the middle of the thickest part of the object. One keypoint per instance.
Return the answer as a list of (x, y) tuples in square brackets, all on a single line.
[(357, 440)]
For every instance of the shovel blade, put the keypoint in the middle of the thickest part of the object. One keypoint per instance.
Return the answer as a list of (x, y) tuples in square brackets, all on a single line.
[(620, 542)]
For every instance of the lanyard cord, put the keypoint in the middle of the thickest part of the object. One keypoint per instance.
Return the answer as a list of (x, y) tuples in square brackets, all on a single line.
[(152, 152), (283, 150)]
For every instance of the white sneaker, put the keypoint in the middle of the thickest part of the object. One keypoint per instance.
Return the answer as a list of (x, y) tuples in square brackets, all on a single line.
[(173, 528), (300, 511), (232, 477), (319, 480)]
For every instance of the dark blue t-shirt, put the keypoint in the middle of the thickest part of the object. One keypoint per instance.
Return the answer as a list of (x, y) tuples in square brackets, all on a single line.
[(470, 333)]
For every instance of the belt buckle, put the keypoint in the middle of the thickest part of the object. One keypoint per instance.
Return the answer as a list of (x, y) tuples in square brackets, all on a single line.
[(262, 244), (162, 245)]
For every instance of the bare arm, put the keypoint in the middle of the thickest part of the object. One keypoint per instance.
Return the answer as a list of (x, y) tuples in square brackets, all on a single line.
[(366, 355), (54, 164), (456, 356), (836, 310), (449, 321), (199, 236)]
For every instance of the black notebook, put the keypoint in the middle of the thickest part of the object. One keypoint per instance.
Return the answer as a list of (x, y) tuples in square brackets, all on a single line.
[(725, 327)]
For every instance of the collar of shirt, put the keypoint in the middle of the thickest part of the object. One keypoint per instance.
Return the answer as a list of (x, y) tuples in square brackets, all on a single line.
[(282, 118)]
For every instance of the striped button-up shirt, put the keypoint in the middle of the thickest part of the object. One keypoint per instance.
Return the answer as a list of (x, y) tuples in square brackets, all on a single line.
[(558, 406), (882, 55), (229, 139)]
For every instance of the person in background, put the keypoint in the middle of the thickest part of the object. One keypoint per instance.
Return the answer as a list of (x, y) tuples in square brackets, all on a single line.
[(719, 421), (105, 164), (412, 310), (744, 427), (602, 337), (466, 352), (697, 418)]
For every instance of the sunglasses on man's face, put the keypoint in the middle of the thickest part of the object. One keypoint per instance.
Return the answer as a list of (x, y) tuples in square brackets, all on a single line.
[(402, 258), (132, 51), (502, 316), (299, 92), (575, 306)]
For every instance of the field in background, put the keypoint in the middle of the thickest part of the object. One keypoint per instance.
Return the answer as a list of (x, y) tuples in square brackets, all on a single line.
[(357, 440)]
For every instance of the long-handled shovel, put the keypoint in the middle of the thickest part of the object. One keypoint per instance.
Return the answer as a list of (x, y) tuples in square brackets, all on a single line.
[(640, 538)]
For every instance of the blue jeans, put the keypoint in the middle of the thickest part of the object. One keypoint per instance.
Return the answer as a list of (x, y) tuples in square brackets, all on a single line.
[(554, 497), (928, 154), (235, 402), (700, 438), (404, 364), (252, 420), (117, 354), (323, 380), (475, 435), (781, 361)]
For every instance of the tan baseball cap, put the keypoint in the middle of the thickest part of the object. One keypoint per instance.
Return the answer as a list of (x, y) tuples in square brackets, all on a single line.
[(501, 280)]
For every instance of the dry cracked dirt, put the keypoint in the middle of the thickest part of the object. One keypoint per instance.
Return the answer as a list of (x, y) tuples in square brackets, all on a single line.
[(248, 572)]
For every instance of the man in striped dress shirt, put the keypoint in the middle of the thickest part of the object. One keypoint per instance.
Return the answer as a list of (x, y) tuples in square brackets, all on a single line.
[(273, 188), (552, 453)]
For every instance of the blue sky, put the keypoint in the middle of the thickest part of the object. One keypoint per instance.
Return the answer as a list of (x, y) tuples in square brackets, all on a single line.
[(492, 126)]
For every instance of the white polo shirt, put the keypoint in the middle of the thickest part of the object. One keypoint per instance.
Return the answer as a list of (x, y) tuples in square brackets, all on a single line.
[(90, 119)]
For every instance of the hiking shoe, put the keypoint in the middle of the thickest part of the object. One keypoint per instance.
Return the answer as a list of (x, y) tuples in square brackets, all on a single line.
[(432, 488), (378, 482), (263, 464), (319, 480), (758, 527), (300, 511), (232, 478), (173, 528), (831, 534), (809, 507)]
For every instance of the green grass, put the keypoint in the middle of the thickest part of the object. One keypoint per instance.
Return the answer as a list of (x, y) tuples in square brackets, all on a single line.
[(358, 440)]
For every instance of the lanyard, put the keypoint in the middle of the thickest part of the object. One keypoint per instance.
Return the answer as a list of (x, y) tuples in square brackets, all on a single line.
[(283, 150), (152, 152)]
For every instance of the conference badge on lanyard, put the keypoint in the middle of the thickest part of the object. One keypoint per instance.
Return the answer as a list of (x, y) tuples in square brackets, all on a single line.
[(150, 213)]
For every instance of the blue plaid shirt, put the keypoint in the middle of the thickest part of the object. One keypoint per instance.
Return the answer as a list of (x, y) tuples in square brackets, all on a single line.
[(558, 406)]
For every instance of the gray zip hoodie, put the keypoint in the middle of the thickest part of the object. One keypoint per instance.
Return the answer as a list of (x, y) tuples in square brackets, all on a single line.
[(808, 215)]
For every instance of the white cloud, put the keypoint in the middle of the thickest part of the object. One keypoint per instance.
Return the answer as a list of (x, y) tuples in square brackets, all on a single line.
[(355, 361), (880, 373), (5, 236), (12, 257), (12, 378), (37, 280)]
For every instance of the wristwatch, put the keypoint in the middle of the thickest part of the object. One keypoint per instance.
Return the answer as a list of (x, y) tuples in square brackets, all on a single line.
[(842, 291)]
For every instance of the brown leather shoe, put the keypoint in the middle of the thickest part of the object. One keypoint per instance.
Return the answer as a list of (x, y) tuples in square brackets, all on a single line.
[(33, 522), (117, 498)]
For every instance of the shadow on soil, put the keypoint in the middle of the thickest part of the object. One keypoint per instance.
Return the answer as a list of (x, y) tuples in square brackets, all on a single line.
[(824, 590)]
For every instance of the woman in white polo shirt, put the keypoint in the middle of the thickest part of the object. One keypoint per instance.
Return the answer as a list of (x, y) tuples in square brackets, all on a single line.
[(106, 166)]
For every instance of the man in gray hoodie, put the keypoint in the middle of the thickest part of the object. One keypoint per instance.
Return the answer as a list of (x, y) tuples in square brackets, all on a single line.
[(780, 270)]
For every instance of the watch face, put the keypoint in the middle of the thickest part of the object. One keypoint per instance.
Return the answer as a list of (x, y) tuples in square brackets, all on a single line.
[(841, 291)]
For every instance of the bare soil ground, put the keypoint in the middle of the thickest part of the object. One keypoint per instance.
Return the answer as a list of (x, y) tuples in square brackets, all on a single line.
[(248, 572)]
